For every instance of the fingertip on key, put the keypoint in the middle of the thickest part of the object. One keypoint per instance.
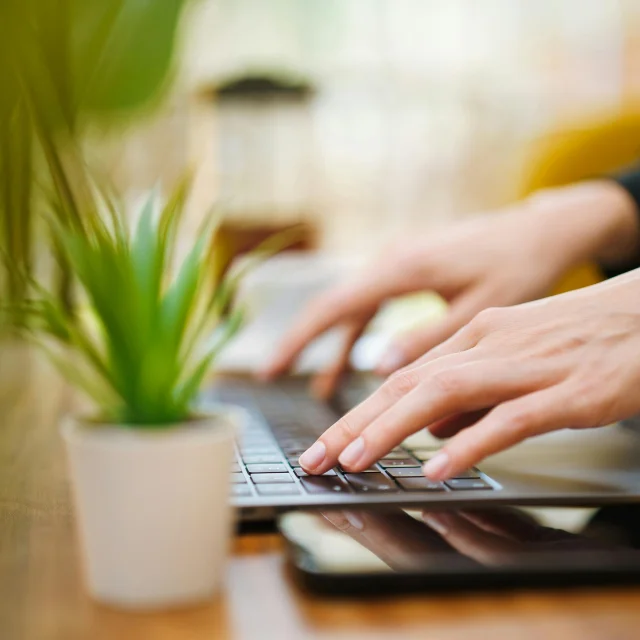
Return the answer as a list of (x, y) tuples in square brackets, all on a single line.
[(438, 467), (352, 454), (314, 456)]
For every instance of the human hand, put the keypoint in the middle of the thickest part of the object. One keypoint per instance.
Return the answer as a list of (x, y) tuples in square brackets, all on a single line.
[(392, 535), (495, 260), (511, 373), (496, 537)]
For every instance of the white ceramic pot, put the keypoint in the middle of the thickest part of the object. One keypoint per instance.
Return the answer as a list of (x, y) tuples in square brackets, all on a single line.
[(153, 508)]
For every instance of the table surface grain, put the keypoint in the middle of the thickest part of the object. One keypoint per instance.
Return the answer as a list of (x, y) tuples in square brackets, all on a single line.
[(42, 596)]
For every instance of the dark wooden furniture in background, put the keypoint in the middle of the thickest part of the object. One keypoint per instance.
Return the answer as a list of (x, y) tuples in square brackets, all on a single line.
[(42, 598)]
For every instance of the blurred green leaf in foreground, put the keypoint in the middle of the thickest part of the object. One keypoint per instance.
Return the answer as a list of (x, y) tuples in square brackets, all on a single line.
[(148, 333), (66, 64), (144, 340)]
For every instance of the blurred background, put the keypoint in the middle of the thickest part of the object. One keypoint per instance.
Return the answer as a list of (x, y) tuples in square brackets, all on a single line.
[(367, 120)]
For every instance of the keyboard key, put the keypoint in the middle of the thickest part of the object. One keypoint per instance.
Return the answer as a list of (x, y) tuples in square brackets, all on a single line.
[(262, 459), (266, 468), (241, 490), (256, 443), (420, 484), (466, 484), (403, 462), (295, 444), (293, 461), (396, 455), (324, 484), (469, 473), (424, 454), (256, 434), (372, 469), (293, 453), (256, 439), (422, 439), (370, 483), (259, 451), (302, 473), (406, 472), (278, 489), (284, 424), (272, 478), (235, 467), (237, 478)]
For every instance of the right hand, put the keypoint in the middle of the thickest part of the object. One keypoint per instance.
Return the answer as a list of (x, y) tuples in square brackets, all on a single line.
[(500, 259), (499, 537)]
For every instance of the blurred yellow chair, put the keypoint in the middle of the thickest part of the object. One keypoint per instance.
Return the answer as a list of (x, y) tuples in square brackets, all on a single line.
[(596, 148)]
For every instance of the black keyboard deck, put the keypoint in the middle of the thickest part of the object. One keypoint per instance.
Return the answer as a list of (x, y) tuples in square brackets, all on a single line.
[(285, 422)]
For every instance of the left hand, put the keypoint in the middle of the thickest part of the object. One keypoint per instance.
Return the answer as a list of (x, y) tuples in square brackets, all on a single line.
[(511, 373)]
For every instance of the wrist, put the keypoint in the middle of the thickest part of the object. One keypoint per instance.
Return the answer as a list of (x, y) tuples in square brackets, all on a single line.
[(595, 220)]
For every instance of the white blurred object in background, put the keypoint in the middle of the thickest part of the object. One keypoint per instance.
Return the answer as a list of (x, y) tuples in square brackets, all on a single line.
[(276, 293)]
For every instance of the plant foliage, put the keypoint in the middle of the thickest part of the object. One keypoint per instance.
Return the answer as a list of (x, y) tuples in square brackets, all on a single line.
[(66, 64), (148, 334)]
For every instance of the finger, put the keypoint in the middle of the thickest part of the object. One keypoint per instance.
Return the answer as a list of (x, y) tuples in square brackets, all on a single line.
[(470, 540), (414, 344), (519, 526), (502, 427), (325, 382), (322, 314), (323, 455), (448, 427), (466, 337), (348, 522), (509, 523), (358, 298), (463, 388), (394, 537)]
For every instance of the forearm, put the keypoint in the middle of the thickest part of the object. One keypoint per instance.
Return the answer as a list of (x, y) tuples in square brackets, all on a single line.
[(595, 220)]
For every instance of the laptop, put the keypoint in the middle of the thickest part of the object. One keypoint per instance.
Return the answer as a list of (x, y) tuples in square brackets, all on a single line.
[(578, 468)]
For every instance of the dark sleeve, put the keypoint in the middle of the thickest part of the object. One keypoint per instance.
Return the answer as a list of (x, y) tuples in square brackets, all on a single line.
[(630, 182)]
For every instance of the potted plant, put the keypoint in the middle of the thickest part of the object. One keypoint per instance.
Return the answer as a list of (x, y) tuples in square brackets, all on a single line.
[(150, 472)]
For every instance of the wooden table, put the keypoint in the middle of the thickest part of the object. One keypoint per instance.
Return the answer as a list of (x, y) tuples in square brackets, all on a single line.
[(42, 598)]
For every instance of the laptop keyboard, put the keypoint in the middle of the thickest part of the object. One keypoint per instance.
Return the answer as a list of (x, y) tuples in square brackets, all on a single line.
[(285, 424)]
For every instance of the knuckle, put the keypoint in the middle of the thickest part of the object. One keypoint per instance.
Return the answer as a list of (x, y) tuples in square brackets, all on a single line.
[(589, 414), (345, 429), (447, 382), (486, 320), (518, 420), (593, 405), (402, 382)]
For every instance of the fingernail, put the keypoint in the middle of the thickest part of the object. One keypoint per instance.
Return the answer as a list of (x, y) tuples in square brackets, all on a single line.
[(436, 523), (391, 361), (352, 453), (312, 458), (436, 468), (354, 520)]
